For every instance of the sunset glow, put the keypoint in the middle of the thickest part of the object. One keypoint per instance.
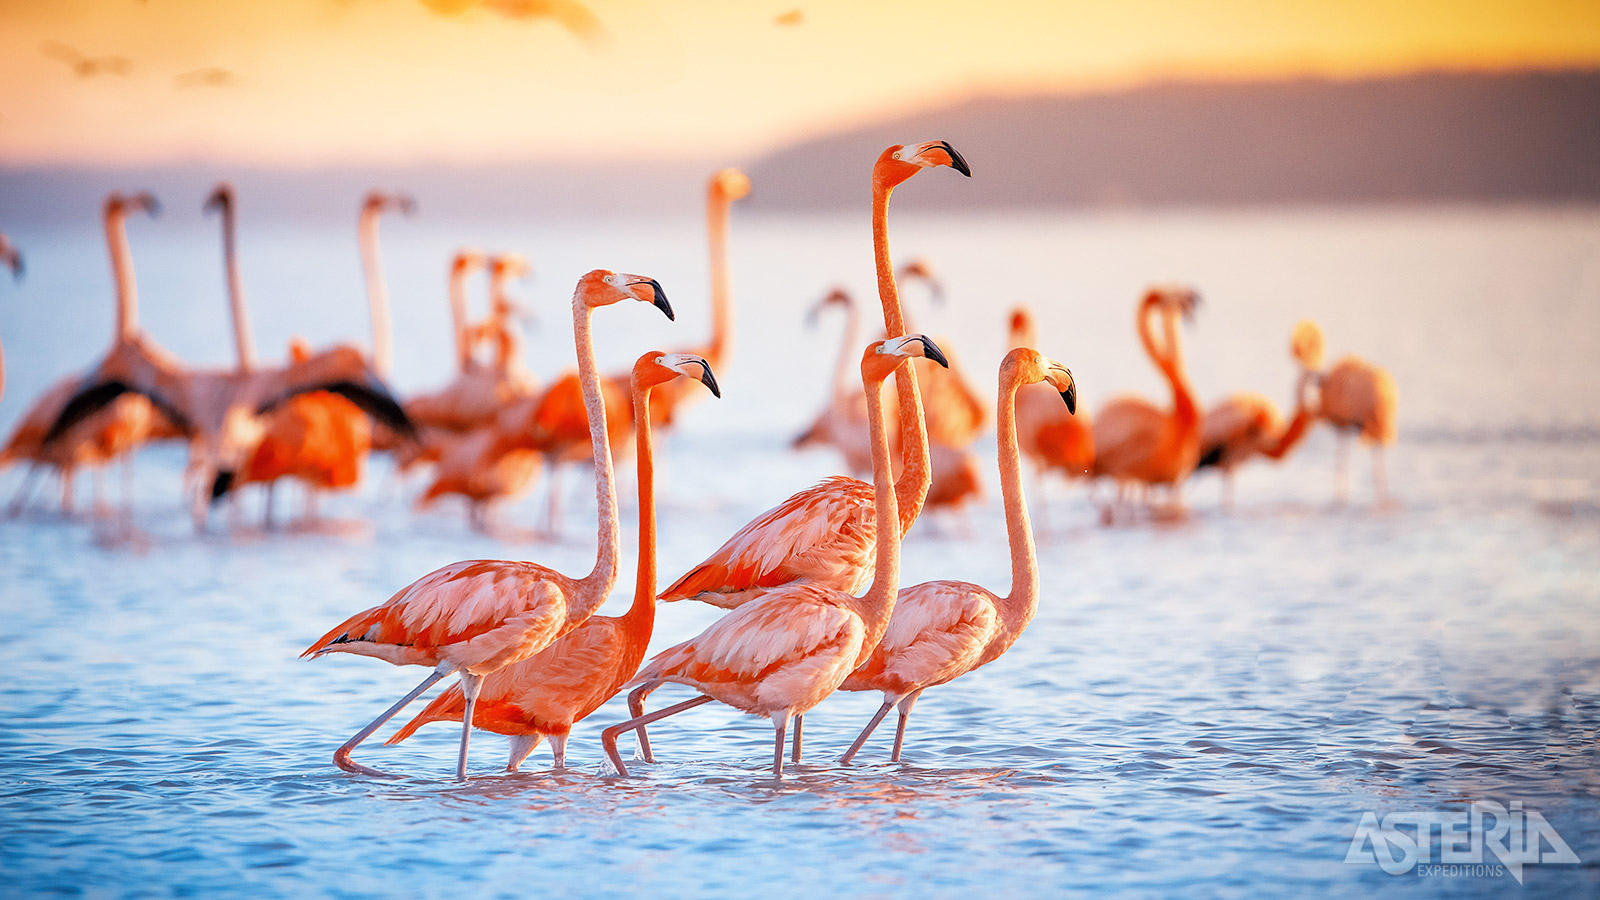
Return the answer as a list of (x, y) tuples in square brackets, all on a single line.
[(317, 81)]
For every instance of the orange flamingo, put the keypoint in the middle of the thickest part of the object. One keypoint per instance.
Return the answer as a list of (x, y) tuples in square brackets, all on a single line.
[(942, 630), (11, 258), (1246, 425), (117, 426), (1357, 398), (478, 616), (824, 535), (722, 190), (783, 653), (1137, 443), (1051, 440), (545, 695)]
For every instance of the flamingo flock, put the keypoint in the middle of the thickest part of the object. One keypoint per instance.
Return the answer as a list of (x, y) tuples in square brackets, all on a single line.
[(811, 587)]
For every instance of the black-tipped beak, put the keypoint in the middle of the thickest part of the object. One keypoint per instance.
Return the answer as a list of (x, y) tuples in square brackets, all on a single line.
[(932, 351), (660, 295), (956, 162), (710, 381), (17, 268), (152, 205), (1070, 395), (221, 485)]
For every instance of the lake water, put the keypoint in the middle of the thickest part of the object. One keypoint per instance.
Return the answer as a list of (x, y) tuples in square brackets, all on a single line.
[(1201, 708)]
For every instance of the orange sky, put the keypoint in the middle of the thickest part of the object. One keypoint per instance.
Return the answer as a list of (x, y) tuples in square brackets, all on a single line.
[(316, 81)]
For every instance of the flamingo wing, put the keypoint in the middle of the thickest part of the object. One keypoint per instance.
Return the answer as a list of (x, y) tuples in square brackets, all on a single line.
[(938, 632), (823, 535)]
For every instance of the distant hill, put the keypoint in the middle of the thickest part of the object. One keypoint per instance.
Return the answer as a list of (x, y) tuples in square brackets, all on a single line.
[(1439, 137)]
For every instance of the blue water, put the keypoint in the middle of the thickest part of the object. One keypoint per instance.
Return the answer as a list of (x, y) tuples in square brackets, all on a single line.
[(1203, 708)]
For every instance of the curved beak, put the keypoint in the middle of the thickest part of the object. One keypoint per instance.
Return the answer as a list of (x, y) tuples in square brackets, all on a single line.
[(931, 350), (147, 202), (955, 160), (709, 380), (221, 485), (658, 297), (218, 200)]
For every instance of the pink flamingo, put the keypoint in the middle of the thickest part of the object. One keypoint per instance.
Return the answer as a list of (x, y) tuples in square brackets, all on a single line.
[(783, 653), (1357, 399), (545, 695), (942, 630), (475, 617)]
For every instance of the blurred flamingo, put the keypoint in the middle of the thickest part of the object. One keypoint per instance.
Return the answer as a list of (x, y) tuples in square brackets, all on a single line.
[(842, 424), (545, 695), (824, 535), (1138, 444), (478, 616), (1050, 439), (786, 651), (942, 630), (1357, 399)]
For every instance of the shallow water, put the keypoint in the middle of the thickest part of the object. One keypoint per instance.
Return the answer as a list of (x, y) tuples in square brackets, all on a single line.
[(1203, 707)]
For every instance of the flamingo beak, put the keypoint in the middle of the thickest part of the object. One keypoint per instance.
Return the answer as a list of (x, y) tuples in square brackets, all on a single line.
[(657, 298), (930, 350), (955, 160), (221, 485), (1061, 375)]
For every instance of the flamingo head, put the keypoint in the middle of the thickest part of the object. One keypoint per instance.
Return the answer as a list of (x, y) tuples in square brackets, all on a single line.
[(920, 268), (1179, 299), (1306, 345), (1029, 366), (730, 184), (510, 265), (603, 287), (1023, 330), (902, 161), (657, 367), (467, 259), (836, 295), (221, 199), (378, 201), (11, 257), (144, 202), (883, 357)]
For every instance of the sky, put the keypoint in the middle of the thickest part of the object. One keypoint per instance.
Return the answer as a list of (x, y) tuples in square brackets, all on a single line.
[(292, 83)]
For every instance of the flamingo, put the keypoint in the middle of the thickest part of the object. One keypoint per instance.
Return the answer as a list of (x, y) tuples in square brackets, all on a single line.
[(783, 653), (119, 424), (1357, 398), (474, 617), (545, 695), (942, 630), (723, 188), (1136, 442), (824, 535), (1245, 424), (842, 422), (1048, 438), (11, 258), (373, 206)]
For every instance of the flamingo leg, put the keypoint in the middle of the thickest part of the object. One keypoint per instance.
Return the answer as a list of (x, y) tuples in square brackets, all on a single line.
[(780, 723), (1227, 490), (341, 756), (558, 747), (900, 729), (266, 517), (636, 709), (1380, 476), (23, 491), (799, 726), (552, 512), (1342, 489), (469, 688), (866, 732), (69, 477), (608, 737), (127, 494), (521, 746), (97, 483)]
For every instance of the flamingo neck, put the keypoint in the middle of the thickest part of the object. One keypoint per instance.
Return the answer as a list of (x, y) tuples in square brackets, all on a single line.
[(877, 604), (122, 272), (848, 348), (609, 543), (1017, 609), (243, 344), (458, 316), (717, 207), (1299, 426), (916, 475), (1169, 359), (500, 319), (641, 615), (377, 293)]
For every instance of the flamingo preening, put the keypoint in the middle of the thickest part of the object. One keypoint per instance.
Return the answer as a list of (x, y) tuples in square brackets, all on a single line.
[(824, 535), (942, 630), (116, 425), (1136, 443), (11, 258), (784, 652), (545, 695), (1358, 399), (475, 617)]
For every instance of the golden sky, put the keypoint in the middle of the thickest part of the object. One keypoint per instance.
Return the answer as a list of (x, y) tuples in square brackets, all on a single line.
[(304, 82)]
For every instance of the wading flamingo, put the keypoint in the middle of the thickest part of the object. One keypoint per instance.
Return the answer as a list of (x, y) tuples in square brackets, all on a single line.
[(784, 652), (1357, 399), (1246, 425), (1136, 443), (545, 695), (478, 616), (942, 630), (11, 258), (118, 426), (824, 534), (373, 206)]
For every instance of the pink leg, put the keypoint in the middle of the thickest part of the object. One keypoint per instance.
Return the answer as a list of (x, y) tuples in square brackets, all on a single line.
[(558, 747), (608, 737), (799, 725), (469, 688), (636, 709), (780, 722), (341, 756), (866, 732), (900, 729)]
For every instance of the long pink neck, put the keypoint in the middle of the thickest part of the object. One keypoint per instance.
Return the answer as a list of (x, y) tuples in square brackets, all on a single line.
[(1018, 608), (849, 349), (1299, 425), (603, 577), (458, 315), (877, 604), (916, 476), (122, 271), (717, 206), (377, 292), (640, 618), (500, 318), (243, 344), (1169, 360)]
